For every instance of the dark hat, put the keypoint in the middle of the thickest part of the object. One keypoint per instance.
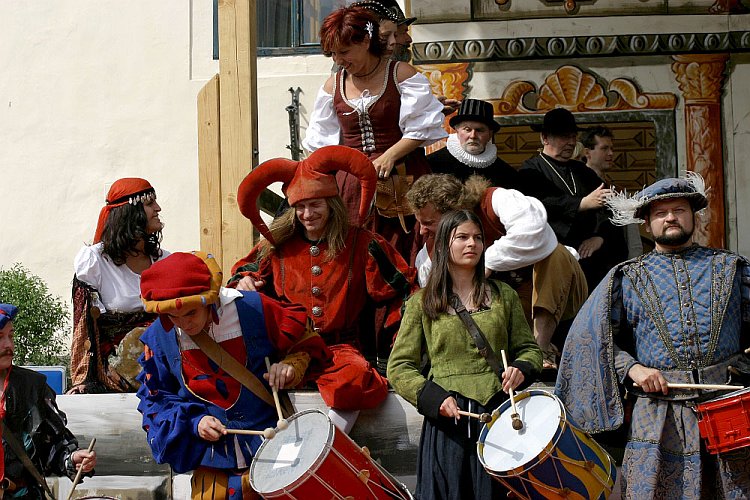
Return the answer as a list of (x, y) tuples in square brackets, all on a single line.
[(558, 121), (393, 6), (475, 110), (378, 8), (7, 313), (633, 209)]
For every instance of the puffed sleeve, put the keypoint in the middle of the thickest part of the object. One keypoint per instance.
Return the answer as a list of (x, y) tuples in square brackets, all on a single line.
[(324, 128), (421, 117), (86, 266), (170, 422), (528, 237)]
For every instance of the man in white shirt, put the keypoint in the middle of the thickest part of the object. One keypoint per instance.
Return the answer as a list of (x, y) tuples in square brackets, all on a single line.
[(521, 246)]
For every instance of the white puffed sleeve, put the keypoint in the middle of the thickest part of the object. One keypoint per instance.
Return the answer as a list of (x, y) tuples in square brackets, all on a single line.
[(528, 237), (421, 115), (86, 265), (324, 128)]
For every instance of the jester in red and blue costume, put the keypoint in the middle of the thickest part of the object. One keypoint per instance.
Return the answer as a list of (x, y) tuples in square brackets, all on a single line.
[(187, 400), (340, 272)]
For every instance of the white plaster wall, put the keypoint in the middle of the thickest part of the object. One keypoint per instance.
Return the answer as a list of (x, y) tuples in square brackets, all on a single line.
[(95, 90), (91, 91)]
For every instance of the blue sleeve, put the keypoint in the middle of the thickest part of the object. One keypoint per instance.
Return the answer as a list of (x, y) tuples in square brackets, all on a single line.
[(169, 419)]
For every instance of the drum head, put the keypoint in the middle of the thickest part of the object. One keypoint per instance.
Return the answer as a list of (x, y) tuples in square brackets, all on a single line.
[(283, 460), (503, 449)]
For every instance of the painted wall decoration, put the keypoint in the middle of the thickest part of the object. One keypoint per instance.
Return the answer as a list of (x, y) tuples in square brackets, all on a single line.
[(701, 81)]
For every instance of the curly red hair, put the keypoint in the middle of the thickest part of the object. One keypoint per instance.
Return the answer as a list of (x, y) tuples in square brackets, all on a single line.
[(348, 26)]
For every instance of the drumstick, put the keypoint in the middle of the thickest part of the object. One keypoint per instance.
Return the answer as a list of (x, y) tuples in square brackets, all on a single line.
[(515, 417), (482, 417), (281, 424), (80, 470), (268, 433), (705, 387)]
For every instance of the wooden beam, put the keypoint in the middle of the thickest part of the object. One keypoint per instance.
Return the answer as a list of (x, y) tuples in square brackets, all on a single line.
[(238, 118), (209, 168)]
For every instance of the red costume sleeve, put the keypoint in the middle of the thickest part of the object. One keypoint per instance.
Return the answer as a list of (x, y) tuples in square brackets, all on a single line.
[(390, 280), (288, 330), (252, 266)]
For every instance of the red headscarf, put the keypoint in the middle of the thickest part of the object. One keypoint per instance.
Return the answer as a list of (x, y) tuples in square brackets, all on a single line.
[(128, 190)]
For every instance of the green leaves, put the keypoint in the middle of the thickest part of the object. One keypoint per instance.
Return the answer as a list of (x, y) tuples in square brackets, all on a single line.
[(42, 319)]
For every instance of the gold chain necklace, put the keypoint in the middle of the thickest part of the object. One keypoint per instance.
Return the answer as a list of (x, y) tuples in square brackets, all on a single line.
[(572, 177)]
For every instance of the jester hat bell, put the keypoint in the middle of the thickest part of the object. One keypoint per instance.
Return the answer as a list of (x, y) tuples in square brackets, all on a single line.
[(310, 178)]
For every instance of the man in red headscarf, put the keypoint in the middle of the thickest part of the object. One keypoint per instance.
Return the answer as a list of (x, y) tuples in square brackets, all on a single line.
[(313, 256)]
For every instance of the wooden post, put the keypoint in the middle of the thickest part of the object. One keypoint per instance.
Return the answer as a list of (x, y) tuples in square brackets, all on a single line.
[(209, 168), (227, 135), (701, 81), (239, 139)]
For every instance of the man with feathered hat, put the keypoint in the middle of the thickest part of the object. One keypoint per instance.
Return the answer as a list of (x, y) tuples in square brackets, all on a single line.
[(189, 397), (338, 271), (678, 314)]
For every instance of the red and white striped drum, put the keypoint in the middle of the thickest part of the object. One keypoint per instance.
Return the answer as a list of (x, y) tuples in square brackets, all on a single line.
[(312, 458)]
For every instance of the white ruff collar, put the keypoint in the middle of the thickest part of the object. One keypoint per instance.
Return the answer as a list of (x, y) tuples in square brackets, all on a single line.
[(482, 160)]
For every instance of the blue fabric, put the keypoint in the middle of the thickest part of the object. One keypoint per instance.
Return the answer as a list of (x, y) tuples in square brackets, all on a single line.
[(7, 313), (683, 314), (171, 412)]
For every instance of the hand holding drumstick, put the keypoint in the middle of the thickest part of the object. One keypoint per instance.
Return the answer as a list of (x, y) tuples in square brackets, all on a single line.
[(517, 422)]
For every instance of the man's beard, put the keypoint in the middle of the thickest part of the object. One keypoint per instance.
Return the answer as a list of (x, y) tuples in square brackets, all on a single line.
[(401, 53), (674, 239)]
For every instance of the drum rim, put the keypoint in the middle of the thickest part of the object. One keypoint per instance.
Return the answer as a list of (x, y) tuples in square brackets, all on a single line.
[(313, 467), (541, 456)]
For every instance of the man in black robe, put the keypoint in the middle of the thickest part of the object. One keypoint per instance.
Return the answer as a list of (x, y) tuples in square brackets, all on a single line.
[(573, 195)]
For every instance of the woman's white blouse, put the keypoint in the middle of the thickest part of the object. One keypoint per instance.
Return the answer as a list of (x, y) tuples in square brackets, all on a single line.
[(421, 116), (119, 288)]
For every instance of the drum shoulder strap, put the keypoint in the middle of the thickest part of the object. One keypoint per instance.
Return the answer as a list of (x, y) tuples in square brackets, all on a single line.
[(218, 355), (20, 452), (485, 349)]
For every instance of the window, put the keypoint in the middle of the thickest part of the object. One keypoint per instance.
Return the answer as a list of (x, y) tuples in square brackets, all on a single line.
[(285, 26)]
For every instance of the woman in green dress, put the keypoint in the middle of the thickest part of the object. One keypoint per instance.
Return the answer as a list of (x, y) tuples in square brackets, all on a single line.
[(456, 376)]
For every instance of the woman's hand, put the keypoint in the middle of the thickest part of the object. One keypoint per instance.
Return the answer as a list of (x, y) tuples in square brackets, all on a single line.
[(210, 428), (449, 408), (248, 284), (84, 459), (279, 375), (383, 166), (512, 378)]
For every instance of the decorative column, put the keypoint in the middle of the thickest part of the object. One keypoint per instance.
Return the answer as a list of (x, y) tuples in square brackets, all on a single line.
[(701, 80), (449, 80)]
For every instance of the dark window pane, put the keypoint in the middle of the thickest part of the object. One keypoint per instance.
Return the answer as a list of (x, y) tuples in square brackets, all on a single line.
[(313, 13), (274, 23)]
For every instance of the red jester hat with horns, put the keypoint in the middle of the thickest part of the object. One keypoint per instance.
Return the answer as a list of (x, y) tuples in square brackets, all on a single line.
[(307, 179)]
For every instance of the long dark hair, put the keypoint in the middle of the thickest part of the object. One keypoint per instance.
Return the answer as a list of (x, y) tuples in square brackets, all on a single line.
[(437, 292), (124, 229)]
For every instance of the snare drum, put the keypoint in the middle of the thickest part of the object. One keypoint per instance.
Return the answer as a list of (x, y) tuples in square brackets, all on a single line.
[(724, 422), (549, 457), (312, 458)]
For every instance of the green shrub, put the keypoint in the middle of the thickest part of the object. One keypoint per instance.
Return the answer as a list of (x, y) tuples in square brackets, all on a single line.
[(42, 319)]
